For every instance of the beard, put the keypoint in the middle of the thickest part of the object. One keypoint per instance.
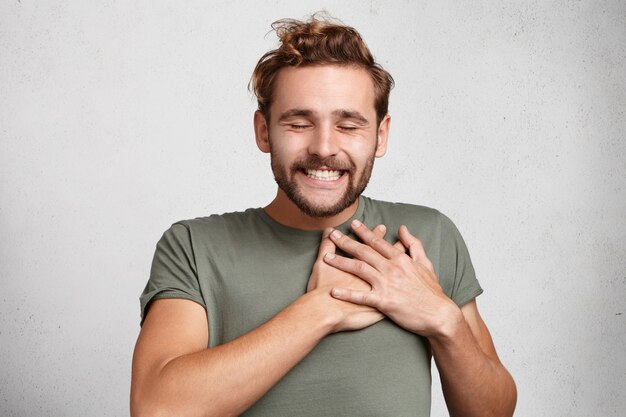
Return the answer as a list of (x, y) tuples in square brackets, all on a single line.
[(284, 177)]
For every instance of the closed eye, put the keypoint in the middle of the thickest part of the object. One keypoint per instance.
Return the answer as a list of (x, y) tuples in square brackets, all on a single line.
[(298, 126)]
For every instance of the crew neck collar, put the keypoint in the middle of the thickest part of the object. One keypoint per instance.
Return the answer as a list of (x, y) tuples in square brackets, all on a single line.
[(310, 234)]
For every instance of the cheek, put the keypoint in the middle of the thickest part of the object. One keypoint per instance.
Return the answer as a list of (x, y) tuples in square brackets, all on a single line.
[(287, 148), (283, 155), (362, 154)]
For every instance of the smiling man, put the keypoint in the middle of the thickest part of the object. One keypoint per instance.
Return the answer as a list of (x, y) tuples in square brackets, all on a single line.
[(323, 142), (258, 312)]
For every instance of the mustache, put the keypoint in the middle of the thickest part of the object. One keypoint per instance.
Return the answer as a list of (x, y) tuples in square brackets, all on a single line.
[(315, 162)]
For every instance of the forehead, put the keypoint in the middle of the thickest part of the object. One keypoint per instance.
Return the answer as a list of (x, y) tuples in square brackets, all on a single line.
[(324, 89)]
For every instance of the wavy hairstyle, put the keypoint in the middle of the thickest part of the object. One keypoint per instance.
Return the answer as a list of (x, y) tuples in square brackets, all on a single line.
[(321, 40)]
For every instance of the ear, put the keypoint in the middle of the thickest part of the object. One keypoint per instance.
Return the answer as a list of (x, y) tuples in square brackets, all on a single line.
[(383, 135), (261, 132)]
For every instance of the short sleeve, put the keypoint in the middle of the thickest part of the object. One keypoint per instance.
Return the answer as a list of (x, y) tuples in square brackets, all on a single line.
[(456, 275), (173, 273)]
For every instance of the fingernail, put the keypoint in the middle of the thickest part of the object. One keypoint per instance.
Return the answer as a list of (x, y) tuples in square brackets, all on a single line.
[(337, 292), (336, 234), (327, 232), (329, 255), (356, 223), (382, 227)]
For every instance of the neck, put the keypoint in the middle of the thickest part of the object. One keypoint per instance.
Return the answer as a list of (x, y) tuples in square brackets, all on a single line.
[(285, 212)]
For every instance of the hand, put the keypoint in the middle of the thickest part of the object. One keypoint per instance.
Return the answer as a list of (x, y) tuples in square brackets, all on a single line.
[(403, 283), (324, 277)]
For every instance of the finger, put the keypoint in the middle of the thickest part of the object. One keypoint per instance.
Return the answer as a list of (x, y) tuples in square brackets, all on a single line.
[(380, 230), (366, 298), (400, 246), (326, 245), (356, 249), (355, 267), (416, 249), (370, 238)]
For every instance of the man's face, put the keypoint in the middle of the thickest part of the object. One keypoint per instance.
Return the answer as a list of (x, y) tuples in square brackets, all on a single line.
[(323, 137)]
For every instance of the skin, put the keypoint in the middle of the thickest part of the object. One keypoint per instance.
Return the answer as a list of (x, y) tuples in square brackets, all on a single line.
[(174, 373), (309, 118)]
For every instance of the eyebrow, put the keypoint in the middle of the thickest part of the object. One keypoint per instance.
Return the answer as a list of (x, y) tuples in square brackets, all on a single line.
[(351, 114), (344, 114), (295, 112)]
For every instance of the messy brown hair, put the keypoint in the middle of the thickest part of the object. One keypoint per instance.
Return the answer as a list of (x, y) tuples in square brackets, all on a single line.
[(321, 40)]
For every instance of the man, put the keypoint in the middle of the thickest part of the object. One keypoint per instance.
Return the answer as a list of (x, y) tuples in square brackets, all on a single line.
[(325, 302)]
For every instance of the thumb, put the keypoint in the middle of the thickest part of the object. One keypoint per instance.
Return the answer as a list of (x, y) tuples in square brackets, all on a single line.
[(326, 245)]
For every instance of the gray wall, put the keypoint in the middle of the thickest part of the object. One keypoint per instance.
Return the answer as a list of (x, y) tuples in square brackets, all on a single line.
[(118, 118)]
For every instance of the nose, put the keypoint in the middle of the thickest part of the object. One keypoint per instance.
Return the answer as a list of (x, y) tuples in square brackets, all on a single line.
[(324, 142)]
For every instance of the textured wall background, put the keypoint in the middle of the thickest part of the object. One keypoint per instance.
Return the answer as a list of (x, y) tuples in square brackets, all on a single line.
[(118, 118)]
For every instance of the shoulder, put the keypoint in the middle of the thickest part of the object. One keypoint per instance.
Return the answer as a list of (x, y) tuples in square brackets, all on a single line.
[(428, 224), (215, 223), (210, 230), (404, 211)]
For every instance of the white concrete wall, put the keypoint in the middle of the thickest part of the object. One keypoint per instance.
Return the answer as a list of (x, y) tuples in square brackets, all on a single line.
[(118, 118)]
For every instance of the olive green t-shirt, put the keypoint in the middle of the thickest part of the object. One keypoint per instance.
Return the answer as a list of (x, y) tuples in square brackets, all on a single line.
[(244, 268)]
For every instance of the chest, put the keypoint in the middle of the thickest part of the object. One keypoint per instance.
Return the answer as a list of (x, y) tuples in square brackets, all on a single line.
[(247, 286)]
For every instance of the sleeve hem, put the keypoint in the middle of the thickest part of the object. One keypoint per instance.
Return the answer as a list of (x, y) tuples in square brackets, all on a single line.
[(168, 294), (460, 302)]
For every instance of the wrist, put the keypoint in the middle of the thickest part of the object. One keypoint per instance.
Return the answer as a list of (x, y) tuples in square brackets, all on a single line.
[(451, 322), (315, 306)]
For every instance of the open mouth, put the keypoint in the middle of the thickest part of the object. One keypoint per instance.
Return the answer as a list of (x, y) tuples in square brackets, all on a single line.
[(324, 174)]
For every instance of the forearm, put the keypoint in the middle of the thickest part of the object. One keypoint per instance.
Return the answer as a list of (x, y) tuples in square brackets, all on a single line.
[(228, 379), (475, 384)]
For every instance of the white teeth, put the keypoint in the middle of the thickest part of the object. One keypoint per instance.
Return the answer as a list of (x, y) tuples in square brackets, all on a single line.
[(324, 175)]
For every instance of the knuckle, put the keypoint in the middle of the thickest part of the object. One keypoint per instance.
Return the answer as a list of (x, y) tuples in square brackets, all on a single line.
[(368, 299), (384, 265), (393, 269), (360, 251), (398, 257), (360, 267)]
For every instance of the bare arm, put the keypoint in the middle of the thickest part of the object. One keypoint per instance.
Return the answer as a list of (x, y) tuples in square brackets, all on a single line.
[(404, 287), (474, 381), (174, 374)]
